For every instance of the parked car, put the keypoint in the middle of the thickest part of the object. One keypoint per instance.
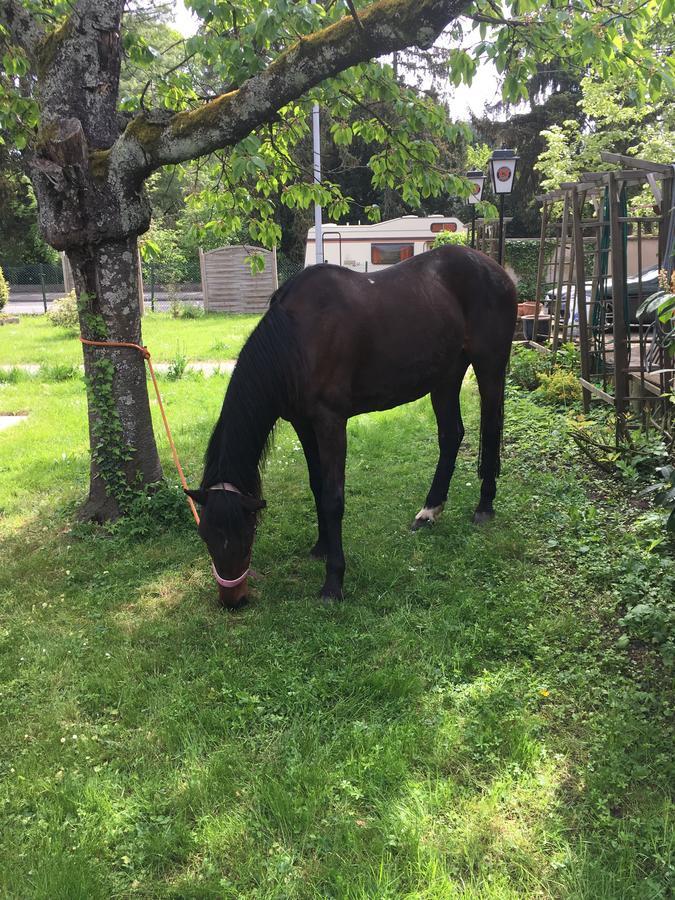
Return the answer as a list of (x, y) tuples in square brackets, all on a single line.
[(638, 289)]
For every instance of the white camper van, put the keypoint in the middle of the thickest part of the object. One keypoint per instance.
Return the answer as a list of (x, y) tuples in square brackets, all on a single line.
[(369, 248)]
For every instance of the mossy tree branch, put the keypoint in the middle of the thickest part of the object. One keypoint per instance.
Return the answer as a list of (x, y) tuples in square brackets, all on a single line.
[(150, 142)]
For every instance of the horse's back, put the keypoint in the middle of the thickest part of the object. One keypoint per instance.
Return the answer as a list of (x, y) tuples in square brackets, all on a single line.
[(379, 339)]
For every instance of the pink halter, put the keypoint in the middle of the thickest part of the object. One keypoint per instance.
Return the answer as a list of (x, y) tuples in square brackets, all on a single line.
[(227, 582)]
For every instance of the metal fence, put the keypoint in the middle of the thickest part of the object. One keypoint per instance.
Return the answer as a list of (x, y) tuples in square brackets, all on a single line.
[(164, 283), (34, 277), (287, 267)]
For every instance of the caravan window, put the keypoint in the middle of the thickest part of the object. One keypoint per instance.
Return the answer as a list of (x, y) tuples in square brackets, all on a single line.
[(385, 254), (444, 226)]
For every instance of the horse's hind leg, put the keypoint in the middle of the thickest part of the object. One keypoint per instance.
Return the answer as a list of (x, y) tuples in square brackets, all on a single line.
[(491, 379), (307, 437), (446, 404)]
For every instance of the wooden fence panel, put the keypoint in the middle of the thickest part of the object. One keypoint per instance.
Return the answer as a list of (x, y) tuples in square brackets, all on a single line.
[(228, 285)]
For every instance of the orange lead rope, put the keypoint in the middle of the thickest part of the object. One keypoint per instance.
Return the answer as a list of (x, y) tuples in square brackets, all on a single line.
[(145, 353)]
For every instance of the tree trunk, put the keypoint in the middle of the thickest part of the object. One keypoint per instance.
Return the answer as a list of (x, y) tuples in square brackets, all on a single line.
[(123, 450)]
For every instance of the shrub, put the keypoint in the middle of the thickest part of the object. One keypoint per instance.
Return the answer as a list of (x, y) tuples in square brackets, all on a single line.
[(179, 309), (4, 290), (560, 388), (527, 367), (191, 311), (63, 312), (568, 357), (451, 237), (522, 255)]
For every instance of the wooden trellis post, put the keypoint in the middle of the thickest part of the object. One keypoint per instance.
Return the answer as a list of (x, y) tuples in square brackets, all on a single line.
[(561, 271), (620, 348), (577, 216), (541, 262)]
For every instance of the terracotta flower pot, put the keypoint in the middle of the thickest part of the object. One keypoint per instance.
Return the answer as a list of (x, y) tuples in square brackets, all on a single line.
[(528, 308)]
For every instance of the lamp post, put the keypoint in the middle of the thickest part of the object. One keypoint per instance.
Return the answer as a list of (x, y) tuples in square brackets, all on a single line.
[(477, 180), (502, 172), (316, 155)]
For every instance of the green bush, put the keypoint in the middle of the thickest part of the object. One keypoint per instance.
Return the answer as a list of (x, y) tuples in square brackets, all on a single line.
[(451, 237), (4, 290), (179, 309), (63, 312), (522, 255), (158, 508), (560, 388), (527, 367), (568, 357), (191, 311)]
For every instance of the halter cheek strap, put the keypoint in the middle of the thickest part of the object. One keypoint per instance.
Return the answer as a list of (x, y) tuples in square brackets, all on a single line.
[(227, 582)]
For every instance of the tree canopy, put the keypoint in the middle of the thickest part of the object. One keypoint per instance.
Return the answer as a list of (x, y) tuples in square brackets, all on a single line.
[(182, 98)]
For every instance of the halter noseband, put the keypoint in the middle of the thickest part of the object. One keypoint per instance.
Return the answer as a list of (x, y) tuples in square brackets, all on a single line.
[(227, 582)]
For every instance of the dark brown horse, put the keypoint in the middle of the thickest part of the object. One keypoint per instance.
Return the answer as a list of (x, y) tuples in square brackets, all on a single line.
[(333, 344)]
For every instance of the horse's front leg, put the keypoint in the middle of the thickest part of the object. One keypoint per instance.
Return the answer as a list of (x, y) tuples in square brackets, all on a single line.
[(331, 436), (305, 432)]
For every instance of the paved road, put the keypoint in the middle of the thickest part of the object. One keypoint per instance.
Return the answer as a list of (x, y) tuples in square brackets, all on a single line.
[(32, 304)]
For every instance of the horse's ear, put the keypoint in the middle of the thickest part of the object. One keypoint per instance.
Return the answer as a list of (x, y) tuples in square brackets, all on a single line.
[(199, 496), (252, 504)]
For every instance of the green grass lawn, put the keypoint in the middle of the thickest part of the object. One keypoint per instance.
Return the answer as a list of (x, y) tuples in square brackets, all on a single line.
[(216, 337), (464, 725)]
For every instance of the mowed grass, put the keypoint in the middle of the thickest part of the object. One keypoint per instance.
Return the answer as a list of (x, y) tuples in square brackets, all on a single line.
[(212, 337), (462, 726)]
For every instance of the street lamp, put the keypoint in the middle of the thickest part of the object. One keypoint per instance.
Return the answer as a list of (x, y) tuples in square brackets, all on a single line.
[(502, 172), (477, 180)]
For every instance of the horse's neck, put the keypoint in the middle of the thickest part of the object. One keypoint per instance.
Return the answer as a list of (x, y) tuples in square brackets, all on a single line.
[(245, 429)]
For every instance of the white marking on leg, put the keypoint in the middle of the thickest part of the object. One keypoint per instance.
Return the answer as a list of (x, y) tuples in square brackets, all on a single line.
[(429, 513)]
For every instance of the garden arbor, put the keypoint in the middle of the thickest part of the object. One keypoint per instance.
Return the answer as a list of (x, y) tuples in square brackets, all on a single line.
[(604, 265)]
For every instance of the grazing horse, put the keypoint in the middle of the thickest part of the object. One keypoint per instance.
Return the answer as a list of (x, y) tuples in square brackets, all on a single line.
[(333, 344)]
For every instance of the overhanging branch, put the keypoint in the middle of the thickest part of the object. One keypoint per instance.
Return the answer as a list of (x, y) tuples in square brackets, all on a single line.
[(390, 25)]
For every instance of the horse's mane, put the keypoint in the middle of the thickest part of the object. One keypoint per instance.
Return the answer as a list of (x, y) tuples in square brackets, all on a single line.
[(265, 381)]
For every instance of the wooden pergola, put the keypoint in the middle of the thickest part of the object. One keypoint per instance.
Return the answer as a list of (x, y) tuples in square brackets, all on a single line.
[(624, 362)]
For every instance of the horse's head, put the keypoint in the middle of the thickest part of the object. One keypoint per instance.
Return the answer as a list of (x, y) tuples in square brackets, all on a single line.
[(227, 527)]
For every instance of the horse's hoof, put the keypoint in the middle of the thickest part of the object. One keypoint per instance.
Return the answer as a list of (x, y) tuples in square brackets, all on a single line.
[(318, 551), (331, 597), (428, 515), (421, 523), (481, 516)]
